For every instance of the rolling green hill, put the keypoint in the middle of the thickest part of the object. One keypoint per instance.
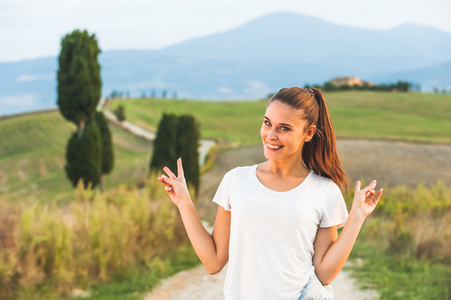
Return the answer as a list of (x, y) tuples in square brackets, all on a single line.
[(355, 114), (32, 158), (33, 146)]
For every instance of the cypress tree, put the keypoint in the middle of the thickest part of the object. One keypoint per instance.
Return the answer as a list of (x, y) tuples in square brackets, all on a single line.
[(163, 150), (106, 145), (79, 82), (186, 147), (83, 156), (79, 92)]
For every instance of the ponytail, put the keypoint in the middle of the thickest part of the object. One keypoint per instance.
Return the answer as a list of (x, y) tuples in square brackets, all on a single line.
[(320, 154)]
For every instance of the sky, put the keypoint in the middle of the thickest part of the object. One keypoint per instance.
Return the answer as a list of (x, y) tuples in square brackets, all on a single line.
[(34, 28)]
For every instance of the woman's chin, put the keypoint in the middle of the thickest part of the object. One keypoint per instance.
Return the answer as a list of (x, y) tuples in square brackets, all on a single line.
[(271, 155)]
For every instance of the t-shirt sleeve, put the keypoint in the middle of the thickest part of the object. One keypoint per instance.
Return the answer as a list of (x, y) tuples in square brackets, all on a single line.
[(335, 212), (222, 196)]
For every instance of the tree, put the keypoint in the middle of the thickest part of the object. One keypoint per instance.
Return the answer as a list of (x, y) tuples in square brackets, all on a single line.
[(83, 156), (329, 86), (120, 113), (79, 82), (164, 144), (79, 91), (106, 145), (186, 147)]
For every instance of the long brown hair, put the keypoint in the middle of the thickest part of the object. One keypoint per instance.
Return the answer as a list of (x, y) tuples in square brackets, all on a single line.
[(320, 154)]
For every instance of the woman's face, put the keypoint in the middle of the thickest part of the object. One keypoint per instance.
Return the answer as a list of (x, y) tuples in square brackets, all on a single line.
[(284, 131)]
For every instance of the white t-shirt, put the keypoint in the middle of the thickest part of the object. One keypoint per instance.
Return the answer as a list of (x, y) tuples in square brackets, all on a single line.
[(272, 233)]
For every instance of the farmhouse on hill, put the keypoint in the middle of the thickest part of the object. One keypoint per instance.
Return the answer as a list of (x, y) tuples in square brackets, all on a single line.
[(351, 81)]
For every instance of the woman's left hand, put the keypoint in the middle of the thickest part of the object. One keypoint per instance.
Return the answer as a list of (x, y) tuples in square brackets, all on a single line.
[(365, 200)]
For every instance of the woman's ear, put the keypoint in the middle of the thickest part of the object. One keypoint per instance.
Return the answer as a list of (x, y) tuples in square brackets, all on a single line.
[(310, 133)]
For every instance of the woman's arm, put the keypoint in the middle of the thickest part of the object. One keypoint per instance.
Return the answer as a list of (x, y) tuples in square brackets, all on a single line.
[(212, 250), (331, 250)]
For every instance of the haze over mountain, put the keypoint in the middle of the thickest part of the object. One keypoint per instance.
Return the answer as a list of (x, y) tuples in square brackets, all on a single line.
[(259, 57)]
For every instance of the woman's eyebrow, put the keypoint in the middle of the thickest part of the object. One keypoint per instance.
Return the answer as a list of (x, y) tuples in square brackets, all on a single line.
[(281, 124)]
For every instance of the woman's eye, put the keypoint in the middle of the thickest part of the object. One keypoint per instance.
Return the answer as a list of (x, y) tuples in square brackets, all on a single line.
[(267, 123), (285, 128)]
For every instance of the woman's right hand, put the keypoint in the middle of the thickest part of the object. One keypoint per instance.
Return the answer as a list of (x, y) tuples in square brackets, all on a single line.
[(176, 186)]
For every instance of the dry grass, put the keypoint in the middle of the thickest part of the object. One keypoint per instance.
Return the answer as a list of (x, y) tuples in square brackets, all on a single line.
[(413, 222), (87, 242)]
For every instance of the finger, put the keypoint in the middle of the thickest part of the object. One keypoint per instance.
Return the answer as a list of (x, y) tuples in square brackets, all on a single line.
[(378, 196), (370, 193), (162, 179), (357, 186), (371, 186), (166, 180), (180, 168), (169, 172)]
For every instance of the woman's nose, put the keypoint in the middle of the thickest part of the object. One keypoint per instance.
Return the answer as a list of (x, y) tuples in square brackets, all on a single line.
[(272, 134)]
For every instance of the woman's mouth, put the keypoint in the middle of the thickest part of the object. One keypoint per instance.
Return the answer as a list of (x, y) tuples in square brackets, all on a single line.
[(273, 147)]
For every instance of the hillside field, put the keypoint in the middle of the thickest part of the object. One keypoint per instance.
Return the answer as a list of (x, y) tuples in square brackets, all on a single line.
[(32, 158), (407, 235), (355, 114), (33, 145)]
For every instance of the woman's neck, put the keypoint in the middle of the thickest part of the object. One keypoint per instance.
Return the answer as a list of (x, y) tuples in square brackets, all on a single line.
[(283, 168)]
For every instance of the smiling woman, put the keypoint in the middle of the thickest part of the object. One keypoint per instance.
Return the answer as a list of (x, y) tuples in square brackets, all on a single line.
[(277, 221), (304, 123)]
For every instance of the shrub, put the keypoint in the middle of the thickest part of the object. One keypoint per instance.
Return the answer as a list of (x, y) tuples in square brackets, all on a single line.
[(412, 223), (97, 237), (9, 275), (120, 113)]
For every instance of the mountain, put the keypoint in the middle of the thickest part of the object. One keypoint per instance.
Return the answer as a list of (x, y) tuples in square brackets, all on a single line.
[(28, 85), (248, 62), (293, 38), (437, 76)]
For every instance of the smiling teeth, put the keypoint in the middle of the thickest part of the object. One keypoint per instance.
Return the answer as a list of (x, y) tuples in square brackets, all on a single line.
[(273, 146)]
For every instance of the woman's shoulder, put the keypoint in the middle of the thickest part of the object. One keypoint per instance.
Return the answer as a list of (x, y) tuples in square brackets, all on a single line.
[(323, 183), (243, 168), (240, 171), (325, 190)]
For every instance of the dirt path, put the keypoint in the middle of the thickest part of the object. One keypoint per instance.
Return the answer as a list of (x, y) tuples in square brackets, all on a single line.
[(197, 284), (391, 163), (204, 146)]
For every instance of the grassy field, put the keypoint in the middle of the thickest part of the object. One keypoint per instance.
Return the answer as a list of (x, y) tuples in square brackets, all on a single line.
[(372, 115), (135, 282), (230, 122), (404, 248), (128, 237), (32, 158), (32, 161)]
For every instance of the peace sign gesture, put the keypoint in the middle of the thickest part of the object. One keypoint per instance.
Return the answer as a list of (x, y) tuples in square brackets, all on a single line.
[(176, 186), (365, 200)]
